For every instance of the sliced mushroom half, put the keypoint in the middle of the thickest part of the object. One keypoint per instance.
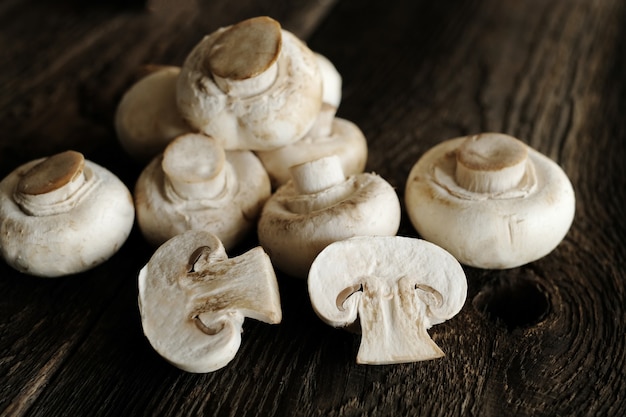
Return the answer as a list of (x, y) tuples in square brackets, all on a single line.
[(398, 287), (193, 300)]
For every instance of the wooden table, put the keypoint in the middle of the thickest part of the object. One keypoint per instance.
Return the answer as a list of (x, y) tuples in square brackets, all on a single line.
[(547, 338)]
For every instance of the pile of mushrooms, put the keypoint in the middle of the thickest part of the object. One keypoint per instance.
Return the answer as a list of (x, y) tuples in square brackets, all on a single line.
[(244, 138)]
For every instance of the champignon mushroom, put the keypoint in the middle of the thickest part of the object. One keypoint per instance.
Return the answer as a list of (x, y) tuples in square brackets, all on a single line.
[(490, 200), (62, 215), (252, 86), (196, 185), (397, 286), (320, 206), (147, 117), (193, 300)]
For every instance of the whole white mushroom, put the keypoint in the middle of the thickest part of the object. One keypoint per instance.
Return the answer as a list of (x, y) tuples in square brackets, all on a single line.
[(62, 215), (490, 200), (252, 86)]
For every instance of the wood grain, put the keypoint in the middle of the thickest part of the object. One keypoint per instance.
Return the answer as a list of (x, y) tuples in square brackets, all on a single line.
[(548, 338)]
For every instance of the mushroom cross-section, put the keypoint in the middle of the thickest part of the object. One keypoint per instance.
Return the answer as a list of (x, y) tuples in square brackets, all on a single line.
[(252, 85), (490, 200), (193, 300), (397, 286)]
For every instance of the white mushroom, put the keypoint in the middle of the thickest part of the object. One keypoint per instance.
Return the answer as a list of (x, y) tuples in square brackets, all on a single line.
[(252, 86), (193, 300), (320, 206), (397, 286), (196, 185), (62, 215), (490, 200), (147, 117)]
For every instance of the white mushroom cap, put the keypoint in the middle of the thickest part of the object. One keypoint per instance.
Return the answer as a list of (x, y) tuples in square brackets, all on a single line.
[(398, 286), (320, 206), (62, 215), (193, 300), (196, 185), (344, 140), (246, 99), (490, 200), (147, 117)]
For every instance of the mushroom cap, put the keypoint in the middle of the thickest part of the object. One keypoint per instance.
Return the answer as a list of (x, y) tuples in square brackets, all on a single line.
[(346, 141), (283, 113), (331, 81), (495, 230), (147, 117), (193, 299), (230, 215), (399, 286), (85, 226), (294, 228)]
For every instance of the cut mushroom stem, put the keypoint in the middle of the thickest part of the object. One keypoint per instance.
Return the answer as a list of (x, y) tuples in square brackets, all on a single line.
[(319, 175), (48, 186), (194, 166), (490, 163), (243, 60)]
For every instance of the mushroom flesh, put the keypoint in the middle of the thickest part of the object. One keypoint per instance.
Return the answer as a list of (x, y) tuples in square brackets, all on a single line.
[(193, 300), (490, 200), (62, 215), (320, 206), (196, 185), (398, 287)]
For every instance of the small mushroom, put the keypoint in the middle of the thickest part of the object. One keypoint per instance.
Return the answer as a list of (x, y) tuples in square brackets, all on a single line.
[(490, 200), (62, 215), (397, 286), (196, 185), (320, 206), (252, 86), (147, 117), (193, 300)]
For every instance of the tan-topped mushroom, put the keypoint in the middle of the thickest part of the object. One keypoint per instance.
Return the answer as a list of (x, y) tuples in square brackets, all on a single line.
[(320, 206), (196, 185), (398, 287), (193, 300), (147, 117), (62, 215), (252, 86), (490, 200)]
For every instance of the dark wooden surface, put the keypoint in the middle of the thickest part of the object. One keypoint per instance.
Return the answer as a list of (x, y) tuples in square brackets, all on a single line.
[(548, 338)]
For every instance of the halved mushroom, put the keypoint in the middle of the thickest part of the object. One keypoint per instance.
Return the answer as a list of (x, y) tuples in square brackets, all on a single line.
[(490, 200), (397, 286), (320, 206), (193, 300), (196, 185), (62, 215), (147, 117), (252, 85)]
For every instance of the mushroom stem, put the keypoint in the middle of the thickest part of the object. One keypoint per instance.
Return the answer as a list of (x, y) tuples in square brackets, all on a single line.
[(243, 60), (318, 175), (490, 163), (194, 166), (51, 183)]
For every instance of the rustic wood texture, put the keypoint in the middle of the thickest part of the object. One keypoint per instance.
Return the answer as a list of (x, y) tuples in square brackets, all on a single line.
[(548, 338)]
